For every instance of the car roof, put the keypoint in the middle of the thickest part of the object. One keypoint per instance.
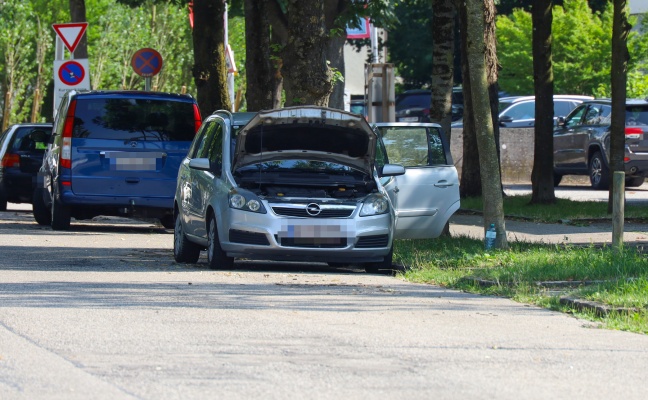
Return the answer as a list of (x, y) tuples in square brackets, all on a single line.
[(515, 99), (629, 102), (132, 93)]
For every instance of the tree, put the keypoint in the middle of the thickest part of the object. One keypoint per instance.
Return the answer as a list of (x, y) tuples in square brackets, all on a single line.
[(443, 19), (620, 56), (78, 14), (542, 180), (477, 13), (210, 71), (264, 79)]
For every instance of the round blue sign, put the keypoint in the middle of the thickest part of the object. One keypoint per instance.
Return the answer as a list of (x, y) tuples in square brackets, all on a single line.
[(71, 73), (146, 62)]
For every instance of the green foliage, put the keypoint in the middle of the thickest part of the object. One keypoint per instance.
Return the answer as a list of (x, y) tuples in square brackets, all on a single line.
[(581, 51)]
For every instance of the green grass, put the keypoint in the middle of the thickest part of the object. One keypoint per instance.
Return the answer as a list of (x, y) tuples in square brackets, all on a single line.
[(614, 277), (563, 209)]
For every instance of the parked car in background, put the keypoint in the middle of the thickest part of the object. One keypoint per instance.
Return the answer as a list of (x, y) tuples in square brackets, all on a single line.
[(359, 106), (115, 153), (519, 111), (414, 105), (21, 154), (303, 184), (582, 143)]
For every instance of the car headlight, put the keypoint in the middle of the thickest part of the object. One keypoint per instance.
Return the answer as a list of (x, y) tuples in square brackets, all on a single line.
[(374, 205), (246, 202)]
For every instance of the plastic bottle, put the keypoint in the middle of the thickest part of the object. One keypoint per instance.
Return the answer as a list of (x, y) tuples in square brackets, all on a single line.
[(491, 235)]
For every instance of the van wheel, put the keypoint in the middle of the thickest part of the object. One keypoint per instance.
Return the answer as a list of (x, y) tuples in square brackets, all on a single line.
[(168, 222), (381, 267), (216, 257), (598, 172), (184, 251), (60, 213), (41, 214), (634, 182), (3, 200)]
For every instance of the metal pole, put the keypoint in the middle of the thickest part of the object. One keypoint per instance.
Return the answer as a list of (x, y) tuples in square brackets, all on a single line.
[(618, 211), (147, 83)]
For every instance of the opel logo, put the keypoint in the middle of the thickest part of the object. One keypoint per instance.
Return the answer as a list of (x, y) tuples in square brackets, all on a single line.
[(313, 209)]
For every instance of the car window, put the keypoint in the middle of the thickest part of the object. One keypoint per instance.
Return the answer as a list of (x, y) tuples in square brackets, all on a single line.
[(198, 141), (637, 115), (134, 119), (524, 110), (575, 117), (414, 146), (562, 108), (210, 147), (597, 114), (30, 138)]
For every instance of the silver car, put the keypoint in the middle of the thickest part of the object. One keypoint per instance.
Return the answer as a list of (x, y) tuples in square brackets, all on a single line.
[(301, 183)]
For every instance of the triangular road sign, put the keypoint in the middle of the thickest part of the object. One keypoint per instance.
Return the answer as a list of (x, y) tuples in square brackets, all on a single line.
[(70, 34)]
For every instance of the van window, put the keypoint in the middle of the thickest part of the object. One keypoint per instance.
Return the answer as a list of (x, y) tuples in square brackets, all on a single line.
[(134, 119)]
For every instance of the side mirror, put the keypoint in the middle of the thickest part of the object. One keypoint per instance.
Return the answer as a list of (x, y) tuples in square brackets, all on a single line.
[(560, 122), (392, 170), (506, 118), (202, 164)]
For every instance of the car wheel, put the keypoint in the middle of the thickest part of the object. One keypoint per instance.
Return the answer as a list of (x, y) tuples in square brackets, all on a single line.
[(168, 222), (381, 267), (60, 213), (598, 172), (184, 251), (216, 257), (634, 182), (3, 200), (557, 179), (41, 214)]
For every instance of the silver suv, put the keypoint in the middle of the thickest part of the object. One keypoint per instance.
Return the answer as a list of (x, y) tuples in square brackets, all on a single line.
[(309, 184)]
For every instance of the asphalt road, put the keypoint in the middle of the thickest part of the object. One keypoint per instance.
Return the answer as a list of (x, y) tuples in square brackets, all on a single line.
[(103, 312)]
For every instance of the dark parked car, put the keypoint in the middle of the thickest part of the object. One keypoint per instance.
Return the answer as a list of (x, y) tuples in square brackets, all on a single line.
[(582, 143), (21, 155), (414, 105), (115, 153)]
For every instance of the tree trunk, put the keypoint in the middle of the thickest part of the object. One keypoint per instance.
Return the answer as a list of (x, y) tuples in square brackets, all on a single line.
[(335, 55), (619, 71), (78, 14), (308, 78), (443, 20), (261, 73), (210, 71), (470, 172), (542, 179), (476, 12)]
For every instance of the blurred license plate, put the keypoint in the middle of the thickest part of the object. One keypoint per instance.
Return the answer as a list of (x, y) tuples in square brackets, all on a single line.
[(408, 119)]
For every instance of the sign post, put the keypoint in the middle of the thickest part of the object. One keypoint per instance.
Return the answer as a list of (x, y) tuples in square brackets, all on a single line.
[(146, 63), (71, 74)]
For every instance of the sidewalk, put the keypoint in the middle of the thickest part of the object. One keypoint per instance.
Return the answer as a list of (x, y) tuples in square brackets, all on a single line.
[(596, 233)]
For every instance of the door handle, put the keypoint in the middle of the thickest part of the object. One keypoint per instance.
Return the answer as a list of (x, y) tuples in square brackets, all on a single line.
[(443, 184), (132, 180)]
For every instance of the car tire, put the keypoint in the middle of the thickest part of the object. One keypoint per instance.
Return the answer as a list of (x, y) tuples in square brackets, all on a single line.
[(42, 214), (557, 179), (60, 213), (168, 222), (381, 267), (598, 172), (184, 251), (216, 257), (634, 182), (3, 200)]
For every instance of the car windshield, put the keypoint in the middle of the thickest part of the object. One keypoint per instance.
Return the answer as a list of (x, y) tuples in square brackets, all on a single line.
[(421, 100), (134, 119)]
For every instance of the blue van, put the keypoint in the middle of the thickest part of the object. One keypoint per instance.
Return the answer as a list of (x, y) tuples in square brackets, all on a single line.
[(114, 153)]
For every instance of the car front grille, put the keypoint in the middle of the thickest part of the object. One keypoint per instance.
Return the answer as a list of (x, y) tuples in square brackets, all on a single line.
[(365, 242), (236, 236), (300, 210)]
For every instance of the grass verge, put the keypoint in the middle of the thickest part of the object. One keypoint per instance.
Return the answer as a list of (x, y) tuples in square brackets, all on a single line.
[(537, 274)]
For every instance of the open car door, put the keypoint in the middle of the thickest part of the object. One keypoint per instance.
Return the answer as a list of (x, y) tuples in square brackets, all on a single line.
[(427, 195)]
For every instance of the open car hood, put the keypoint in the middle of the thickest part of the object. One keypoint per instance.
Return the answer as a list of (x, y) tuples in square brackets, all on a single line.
[(306, 132)]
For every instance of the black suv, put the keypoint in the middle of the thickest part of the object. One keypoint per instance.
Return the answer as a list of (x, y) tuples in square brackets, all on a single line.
[(21, 155), (582, 143), (414, 105)]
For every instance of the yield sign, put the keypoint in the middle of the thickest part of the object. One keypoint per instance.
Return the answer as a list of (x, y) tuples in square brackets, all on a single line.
[(70, 34)]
